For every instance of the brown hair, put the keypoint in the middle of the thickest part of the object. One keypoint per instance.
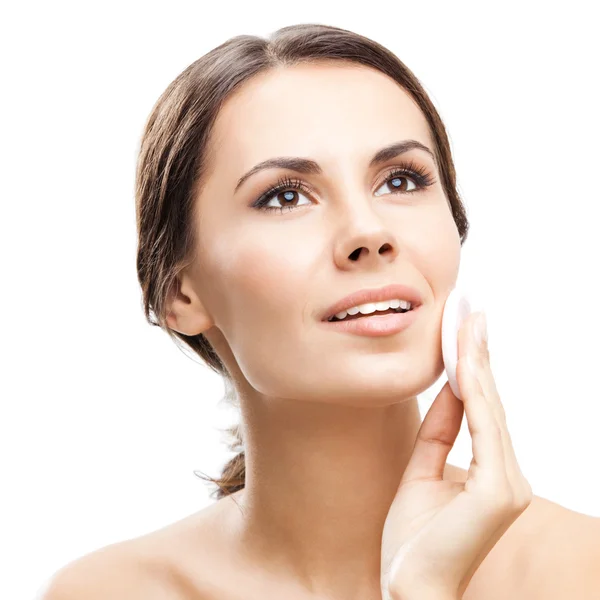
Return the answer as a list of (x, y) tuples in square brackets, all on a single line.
[(174, 155)]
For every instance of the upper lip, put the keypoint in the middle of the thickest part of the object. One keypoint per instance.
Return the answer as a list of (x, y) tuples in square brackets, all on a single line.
[(389, 292)]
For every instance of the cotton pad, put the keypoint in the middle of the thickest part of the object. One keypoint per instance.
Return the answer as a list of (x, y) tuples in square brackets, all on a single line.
[(456, 310)]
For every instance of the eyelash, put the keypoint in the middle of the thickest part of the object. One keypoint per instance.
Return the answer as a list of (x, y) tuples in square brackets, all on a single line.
[(418, 174)]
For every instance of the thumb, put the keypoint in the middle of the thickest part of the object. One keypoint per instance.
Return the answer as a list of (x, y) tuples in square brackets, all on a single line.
[(436, 437)]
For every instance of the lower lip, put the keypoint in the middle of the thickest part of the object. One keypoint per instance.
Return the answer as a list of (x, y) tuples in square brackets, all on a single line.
[(376, 325)]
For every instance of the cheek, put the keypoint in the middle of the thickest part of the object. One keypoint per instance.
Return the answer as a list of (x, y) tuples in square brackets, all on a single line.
[(261, 279), (439, 264), (439, 253), (266, 286)]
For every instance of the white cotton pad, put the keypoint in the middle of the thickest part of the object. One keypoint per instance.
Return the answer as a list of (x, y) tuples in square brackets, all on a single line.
[(456, 310)]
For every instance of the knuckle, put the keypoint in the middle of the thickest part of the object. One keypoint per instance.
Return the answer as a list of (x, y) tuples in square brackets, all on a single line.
[(496, 431), (484, 353), (520, 497), (484, 350), (524, 496), (504, 499), (501, 411)]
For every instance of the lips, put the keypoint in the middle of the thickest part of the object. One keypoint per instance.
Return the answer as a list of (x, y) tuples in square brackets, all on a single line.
[(390, 292), (375, 325)]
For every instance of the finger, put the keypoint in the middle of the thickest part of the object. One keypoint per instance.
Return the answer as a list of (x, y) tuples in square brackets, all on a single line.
[(488, 384), (486, 436), (435, 438), (484, 374)]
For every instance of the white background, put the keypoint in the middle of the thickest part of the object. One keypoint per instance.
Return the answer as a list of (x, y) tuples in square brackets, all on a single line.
[(104, 419)]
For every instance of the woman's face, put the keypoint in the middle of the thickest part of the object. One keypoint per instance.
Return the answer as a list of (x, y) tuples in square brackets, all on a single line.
[(264, 278)]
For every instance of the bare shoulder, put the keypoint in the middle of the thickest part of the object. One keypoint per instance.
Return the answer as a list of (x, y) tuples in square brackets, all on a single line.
[(119, 571), (570, 556), (154, 566), (549, 553)]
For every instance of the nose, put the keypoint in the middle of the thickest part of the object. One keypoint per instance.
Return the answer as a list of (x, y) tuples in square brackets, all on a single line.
[(364, 238), (364, 251), (367, 249)]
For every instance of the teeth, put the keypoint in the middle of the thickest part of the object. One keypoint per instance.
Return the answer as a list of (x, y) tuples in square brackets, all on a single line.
[(371, 307)]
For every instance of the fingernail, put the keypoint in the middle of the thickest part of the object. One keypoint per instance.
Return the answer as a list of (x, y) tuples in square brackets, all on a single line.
[(481, 335)]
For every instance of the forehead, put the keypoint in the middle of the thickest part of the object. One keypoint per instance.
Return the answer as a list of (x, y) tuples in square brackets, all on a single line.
[(322, 111)]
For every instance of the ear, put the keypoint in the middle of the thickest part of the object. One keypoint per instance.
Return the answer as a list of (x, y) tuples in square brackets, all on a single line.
[(185, 311)]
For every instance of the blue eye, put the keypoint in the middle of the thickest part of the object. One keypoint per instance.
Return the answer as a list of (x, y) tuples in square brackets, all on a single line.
[(396, 179)]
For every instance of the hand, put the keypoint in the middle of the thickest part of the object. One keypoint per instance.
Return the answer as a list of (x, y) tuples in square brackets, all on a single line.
[(437, 531)]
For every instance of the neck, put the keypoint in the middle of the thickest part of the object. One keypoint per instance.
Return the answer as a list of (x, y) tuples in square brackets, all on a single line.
[(320, 479)]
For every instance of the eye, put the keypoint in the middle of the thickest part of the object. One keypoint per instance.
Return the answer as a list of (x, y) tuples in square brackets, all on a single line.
[(400, 183), (406, 179), (285, 192)]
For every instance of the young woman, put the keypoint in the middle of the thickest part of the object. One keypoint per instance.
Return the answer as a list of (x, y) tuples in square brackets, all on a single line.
[(276, 178)]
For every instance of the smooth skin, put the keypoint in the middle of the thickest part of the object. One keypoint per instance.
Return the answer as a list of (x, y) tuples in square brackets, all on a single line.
[(330, 420)]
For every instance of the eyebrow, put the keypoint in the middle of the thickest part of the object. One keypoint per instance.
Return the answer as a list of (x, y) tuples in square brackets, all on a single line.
[(311, 167)]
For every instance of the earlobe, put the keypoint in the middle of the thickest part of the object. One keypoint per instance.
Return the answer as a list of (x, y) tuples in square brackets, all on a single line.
[(172, 322), (185, 312)]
